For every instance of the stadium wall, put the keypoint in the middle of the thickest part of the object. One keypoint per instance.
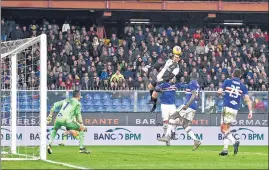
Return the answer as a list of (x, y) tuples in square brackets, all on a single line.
[(139, 5)]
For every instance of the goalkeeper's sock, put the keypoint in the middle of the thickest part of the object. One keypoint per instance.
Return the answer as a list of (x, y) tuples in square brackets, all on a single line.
[(190, 133), (64, 138), (81, 139), (52, 134)]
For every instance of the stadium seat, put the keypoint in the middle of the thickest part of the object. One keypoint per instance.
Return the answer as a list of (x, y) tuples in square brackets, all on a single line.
[(97, 96), (84, 101), (106, 96), (107, 102), (128, 108), (29, 100), (99, 109), (110, 108), (126, 102), (84, 108), (132, 102), (90, 102), (119, 108), (88, 96), (89, 108), (116, 102), (98, 102), (142, 102), (22, 107)]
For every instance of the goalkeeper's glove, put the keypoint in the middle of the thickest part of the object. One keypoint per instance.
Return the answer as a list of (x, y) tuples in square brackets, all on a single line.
[(83, 128), (49, 118)]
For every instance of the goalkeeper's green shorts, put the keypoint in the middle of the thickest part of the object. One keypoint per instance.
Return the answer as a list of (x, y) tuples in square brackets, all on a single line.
[(70, 125)]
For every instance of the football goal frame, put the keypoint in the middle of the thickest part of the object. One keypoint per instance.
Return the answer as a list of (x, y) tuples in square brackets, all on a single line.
[(10, 49)]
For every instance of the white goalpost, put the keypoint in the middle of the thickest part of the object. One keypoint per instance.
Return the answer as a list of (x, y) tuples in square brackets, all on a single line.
[(24, 99)]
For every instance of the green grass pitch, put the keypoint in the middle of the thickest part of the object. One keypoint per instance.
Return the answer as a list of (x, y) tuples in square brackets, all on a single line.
[(150, 157)]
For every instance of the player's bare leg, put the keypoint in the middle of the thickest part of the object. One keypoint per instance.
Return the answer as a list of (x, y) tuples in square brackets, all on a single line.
[(187, 128), (173, 122), (165, 126), (228, 137)]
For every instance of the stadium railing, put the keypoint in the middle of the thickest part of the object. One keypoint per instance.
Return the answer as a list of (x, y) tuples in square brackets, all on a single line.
[(129, 101)]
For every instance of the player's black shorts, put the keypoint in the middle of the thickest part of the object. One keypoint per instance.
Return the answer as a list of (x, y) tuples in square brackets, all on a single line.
[(153, 82)]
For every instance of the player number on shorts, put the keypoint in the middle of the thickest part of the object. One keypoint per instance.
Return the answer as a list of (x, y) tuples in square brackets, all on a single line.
[(234, 91)]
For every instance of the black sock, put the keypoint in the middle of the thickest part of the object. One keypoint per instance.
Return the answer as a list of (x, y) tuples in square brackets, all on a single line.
[(151, 91), (155, 101)]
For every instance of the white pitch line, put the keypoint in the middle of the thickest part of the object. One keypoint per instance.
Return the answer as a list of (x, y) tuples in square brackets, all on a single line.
[(64, 164)]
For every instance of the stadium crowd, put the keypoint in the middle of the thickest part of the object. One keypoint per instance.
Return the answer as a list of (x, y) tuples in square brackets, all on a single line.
[(86, 58)]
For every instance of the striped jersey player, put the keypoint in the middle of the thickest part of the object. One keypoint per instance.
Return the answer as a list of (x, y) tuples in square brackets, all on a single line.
[(168, 72), (186, 112), (233, 90)]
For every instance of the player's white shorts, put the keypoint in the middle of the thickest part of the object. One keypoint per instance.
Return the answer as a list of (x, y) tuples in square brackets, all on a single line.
[(187, 114), (228, 115), (167, 110)]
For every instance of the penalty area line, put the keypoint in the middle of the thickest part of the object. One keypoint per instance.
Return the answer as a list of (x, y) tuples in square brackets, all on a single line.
[(65, 164)]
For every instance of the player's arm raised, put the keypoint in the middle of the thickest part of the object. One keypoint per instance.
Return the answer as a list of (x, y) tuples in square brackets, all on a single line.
[(55, 105), (171, 76)]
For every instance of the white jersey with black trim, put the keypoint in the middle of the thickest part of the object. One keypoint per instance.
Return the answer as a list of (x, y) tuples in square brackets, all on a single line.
[(169, 68)]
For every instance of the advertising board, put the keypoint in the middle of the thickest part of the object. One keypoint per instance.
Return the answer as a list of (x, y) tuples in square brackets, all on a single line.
[(139, 135), (139, 119)]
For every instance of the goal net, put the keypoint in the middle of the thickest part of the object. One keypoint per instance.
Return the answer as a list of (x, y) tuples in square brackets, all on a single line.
[(23, 98)]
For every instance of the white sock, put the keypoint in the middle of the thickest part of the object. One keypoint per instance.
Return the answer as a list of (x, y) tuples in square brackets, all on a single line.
[(190, 133), (231, 138), (169, 130), (165, 128), (174, 128), (226, 143)]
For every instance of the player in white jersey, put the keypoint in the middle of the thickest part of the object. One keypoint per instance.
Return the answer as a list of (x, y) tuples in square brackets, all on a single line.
[(186, 112), (168, 72), (233, 90)]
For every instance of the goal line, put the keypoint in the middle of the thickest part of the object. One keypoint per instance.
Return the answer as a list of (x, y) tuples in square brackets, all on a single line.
[(65, 164)]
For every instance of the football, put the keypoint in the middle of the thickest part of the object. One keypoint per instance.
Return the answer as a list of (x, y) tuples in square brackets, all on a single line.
[(177, 50), (74, 133)]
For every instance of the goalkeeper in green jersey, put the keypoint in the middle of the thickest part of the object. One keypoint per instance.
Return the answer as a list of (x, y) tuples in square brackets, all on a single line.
[(70, 117)]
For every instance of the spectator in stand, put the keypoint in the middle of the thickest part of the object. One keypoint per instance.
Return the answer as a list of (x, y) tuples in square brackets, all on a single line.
[(4, 30), (118, 63)]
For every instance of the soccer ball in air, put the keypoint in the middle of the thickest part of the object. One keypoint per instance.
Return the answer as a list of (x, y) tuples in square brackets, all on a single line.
[(177, 50)]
